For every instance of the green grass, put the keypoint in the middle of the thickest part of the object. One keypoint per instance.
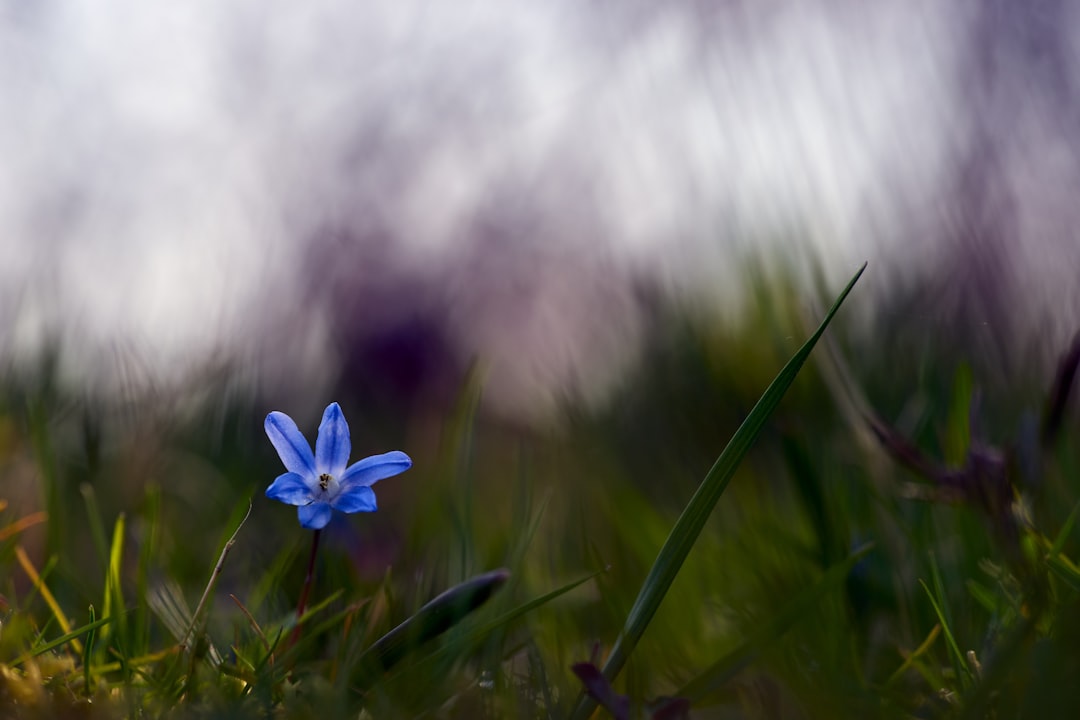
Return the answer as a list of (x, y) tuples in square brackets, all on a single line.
[(712, 535)]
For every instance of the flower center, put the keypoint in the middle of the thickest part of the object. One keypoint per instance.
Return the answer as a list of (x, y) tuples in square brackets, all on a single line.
[(324, 481)]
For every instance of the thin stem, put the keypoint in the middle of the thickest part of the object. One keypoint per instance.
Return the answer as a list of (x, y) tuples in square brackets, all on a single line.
[(302, 605)]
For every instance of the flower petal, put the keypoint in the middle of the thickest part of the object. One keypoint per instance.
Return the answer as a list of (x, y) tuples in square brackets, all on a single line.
[(359, 498), (333, 446), (314, 516), (290, 489), (290, 444), (372, 469)]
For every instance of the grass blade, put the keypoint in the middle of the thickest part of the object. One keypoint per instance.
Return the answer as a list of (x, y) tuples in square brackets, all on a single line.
[(88, 656), (292, 653), (477, 635), (693, 518), (16, 527), (41, 587), (251, 621), (911, 658), (959, 661), (433, 619), (67, 637), (113, 605)]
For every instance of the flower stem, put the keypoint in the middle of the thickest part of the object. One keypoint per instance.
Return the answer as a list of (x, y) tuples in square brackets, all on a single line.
[(302, 605)]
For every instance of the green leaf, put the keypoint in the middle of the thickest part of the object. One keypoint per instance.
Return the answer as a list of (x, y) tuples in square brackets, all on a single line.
[(693, 518)]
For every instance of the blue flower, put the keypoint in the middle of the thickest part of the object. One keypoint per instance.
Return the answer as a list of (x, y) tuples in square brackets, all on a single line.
[(321, 483)]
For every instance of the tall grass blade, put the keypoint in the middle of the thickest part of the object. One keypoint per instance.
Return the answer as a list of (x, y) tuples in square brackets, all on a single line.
[(693, 518), (93, 518), (113, 605), (40, 586), (88, 655), (959, 661)]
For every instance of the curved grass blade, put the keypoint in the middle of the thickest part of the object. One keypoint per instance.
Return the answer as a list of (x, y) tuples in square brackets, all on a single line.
[(693, 518), (913, 657), (433, 619), (14, 528), (63, 639), (477, 635)]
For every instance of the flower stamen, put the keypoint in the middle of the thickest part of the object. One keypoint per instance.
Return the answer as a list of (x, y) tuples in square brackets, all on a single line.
[(324, 480)]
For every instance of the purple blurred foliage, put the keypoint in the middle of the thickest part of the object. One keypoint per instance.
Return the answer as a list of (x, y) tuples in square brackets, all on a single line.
[(599, 689), (991, 478)]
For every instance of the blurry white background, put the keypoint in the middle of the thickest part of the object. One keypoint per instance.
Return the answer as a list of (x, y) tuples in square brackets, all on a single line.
[(236, 181)]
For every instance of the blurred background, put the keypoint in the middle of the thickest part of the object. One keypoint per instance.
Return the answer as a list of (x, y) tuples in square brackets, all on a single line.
[(555, 251), (289, 191)]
